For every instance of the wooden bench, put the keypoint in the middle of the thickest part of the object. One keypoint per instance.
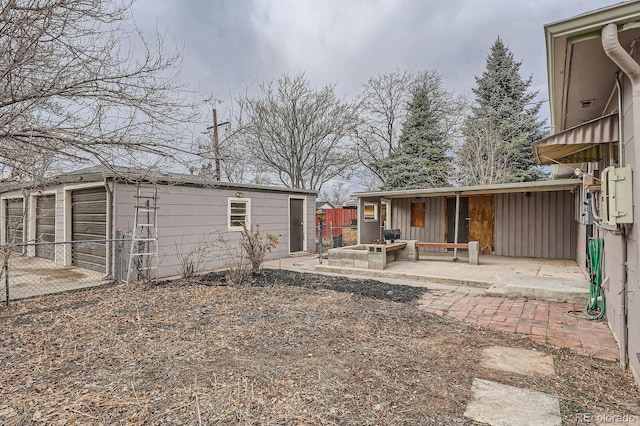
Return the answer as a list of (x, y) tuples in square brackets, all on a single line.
[(472, 246), (395, 246), (443, 245)]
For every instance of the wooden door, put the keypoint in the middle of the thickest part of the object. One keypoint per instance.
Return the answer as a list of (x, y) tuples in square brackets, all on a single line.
[(481, 222), (296, 225)]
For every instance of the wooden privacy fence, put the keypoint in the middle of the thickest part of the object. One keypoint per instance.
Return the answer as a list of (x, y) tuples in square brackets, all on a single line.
[(339, 227)]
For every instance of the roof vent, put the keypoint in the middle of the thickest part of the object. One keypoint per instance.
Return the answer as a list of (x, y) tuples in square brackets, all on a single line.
[(587, 103)]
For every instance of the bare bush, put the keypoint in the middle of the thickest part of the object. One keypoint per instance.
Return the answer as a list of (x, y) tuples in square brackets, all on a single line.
[(255, 246), (243, 259), (194, 260)]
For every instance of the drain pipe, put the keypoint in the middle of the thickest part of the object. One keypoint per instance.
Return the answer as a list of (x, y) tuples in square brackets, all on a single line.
[(630, 67), (620, 134)]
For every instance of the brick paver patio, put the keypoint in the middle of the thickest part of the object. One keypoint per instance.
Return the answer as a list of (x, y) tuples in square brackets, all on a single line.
[(542, 321)]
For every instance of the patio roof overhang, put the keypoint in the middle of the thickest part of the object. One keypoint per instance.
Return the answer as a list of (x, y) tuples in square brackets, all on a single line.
[(580, 144), (503, 188)]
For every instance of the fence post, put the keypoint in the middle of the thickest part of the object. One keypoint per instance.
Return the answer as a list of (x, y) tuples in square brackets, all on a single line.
[(119, 255), (6, 278)]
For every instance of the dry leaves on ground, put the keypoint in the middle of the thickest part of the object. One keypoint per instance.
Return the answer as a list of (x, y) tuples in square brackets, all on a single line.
[(293, 352)]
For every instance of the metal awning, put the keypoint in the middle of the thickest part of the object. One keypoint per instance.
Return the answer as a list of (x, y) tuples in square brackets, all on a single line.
[(578, 144)]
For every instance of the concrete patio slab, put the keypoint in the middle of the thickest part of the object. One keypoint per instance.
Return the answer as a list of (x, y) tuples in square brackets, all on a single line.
[(520, 361), (554, 289), (497, 404)]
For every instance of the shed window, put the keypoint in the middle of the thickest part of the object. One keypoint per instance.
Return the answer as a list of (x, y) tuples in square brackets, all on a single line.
[(370, 212), (239, 213), (417, 214)]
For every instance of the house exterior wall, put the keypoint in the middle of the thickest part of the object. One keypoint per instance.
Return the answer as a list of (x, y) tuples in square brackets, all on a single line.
[(194, 217), (614, 254), (435, 223), (369, 230), (536, 224)]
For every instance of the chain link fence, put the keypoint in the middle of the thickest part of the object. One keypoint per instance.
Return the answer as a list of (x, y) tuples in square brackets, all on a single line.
[(37, 269)]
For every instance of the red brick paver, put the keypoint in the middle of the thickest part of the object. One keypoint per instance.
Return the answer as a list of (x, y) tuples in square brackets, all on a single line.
[(542, 321)]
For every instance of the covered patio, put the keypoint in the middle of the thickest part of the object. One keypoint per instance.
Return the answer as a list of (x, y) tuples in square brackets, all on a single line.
[(558, 280)]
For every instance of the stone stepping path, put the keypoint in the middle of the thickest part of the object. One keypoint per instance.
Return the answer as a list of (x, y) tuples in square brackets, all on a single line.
[(498, 404)]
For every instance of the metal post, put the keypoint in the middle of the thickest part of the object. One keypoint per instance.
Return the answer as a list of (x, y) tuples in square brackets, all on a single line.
[(6, 279), (320, 241), (455, 237)]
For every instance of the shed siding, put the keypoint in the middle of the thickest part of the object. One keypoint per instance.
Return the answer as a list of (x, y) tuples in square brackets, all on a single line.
[(45, 225), (192, 217), (536, 224)]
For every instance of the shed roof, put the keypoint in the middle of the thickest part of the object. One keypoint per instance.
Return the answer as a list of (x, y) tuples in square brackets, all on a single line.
[(502, 188), (126, 174)]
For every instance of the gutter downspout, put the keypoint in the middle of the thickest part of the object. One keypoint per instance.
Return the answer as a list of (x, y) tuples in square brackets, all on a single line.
[(620, 134), (624, 353), (630, 67)]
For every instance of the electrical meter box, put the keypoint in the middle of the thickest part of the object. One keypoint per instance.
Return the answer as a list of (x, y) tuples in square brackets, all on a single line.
[(616, 195)]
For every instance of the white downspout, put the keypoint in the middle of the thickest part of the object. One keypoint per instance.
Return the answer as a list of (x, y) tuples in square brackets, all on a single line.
[(630, 67)]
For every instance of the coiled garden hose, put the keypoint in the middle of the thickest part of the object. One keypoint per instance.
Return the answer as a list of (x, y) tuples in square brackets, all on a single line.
[(596, 292)]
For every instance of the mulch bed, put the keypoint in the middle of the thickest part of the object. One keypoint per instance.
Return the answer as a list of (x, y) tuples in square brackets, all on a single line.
[(290, 349)]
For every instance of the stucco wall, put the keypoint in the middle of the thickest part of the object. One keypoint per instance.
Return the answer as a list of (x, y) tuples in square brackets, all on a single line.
[(613, 254)]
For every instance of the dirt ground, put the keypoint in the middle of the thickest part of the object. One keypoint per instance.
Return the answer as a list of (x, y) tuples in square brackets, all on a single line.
[(291, 349)]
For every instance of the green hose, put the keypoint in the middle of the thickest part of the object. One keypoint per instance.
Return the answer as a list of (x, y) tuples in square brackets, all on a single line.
[(596, 292)]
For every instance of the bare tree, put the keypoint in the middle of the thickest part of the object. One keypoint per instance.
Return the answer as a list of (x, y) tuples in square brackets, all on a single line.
[(297, 133), (79, 83), (337, 193), (485, 158), (384, 110)]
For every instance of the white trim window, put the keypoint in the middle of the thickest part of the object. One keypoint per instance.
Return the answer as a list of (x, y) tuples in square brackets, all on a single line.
[(370, 212), (239, 214)]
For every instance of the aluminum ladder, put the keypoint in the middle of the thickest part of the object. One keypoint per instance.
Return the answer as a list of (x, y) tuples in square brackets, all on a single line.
[(143, 255)]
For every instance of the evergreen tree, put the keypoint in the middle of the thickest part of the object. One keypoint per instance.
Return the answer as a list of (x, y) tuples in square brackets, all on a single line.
[(504, 108), (421, 158)]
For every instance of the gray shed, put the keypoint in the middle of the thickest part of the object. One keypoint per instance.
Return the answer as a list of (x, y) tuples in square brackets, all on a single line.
[(98, 204)]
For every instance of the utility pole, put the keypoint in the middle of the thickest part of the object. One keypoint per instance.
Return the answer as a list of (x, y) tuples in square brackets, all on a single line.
[(216, 144)]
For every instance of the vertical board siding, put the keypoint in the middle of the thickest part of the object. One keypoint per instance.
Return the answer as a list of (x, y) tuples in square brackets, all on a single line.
[(434, 228), (536, 224)]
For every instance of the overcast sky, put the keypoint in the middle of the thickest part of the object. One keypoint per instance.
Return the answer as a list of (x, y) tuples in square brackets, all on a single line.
[(229, 43)]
